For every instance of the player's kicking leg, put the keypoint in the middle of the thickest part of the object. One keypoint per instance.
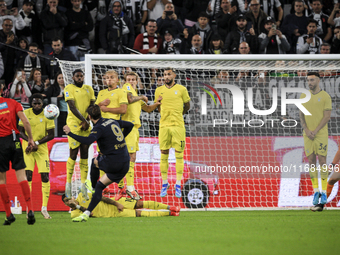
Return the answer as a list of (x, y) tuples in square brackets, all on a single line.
[(71, 161)]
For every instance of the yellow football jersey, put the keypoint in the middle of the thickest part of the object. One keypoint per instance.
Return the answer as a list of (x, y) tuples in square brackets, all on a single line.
[(82, 98), (318, 103), (117, 97), (133, 111), (102, 210), (39, 125), (172, 104)]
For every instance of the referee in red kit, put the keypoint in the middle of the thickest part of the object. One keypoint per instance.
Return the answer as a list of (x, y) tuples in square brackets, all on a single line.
[(11, 150)]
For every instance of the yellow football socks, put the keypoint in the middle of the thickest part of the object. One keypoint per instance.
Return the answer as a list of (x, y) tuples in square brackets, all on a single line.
[(154, 205), (45, 189), (314, 177), (84, 168), (70, 168), (130, 175), (154, 214), (164, 165), (179, 165)]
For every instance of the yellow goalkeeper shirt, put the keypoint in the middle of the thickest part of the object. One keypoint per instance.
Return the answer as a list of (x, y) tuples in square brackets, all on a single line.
[(82, 98), (39, 125), (133, 111), (117, 97), (318, 103), (172, 104)]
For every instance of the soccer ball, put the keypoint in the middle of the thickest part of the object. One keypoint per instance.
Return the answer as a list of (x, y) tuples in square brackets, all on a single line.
[(51, 111)]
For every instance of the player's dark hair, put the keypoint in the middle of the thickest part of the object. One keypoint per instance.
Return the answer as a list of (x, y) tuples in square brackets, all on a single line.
[(62, 197), (312, 21), (76, 71), (38, 96), (94, 112), (313, 73), (169, 68)]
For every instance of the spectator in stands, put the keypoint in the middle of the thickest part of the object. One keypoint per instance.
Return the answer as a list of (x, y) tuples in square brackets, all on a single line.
[(256, 16), (171, 45), (57, 90), (272, 41), (18, 22), (137, 11), (273, 8), (216, 45), (80, 23), (35, 82), (196, 45), (336, 40), (169, 20), (221, 78), (244, 48), (241, 35), (201, 28), (31, 30), (149, 42), (309, 43), (19, 90), (156, 8), (116, 30), (151, 92), (8, 54), (194, 9), (226, 18), (32, 61), (294, 25), (323, 30), (53, 22), (21, 54), (334, 18), (59, 53), (325, 48)]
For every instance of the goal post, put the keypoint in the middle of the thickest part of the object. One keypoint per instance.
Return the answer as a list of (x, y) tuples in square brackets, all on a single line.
[(244, 145)]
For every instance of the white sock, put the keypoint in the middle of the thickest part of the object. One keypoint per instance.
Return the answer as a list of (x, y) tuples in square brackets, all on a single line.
[(316, 190), (44, 208), (324, 191), (130, 188), (178, 183), (165, 181), (87, 212)]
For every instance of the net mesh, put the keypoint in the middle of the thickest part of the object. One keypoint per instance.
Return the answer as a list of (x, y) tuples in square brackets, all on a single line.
[(231, 160)]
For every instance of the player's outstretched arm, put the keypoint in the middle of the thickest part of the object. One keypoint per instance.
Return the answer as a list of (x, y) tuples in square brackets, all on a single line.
[(119, 110), (95, 134), (150, 108)]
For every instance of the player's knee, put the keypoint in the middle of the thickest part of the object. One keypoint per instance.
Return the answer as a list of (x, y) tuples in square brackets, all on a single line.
[(73, 153), (332, 181), (165, 151), (139, 204), (45, 177), (29, 175), (138, 213)]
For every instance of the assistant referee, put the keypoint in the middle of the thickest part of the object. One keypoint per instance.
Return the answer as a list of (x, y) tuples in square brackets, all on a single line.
[(11, 151)]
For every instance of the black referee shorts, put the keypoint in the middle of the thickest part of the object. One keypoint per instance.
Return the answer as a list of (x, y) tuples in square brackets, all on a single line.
[(115, 171), (11, 151)]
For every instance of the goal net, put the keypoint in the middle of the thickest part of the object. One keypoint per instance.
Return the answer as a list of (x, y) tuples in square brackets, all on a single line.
[(244, 143)]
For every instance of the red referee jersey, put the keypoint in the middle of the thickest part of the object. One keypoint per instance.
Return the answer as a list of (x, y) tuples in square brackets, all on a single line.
[(8, 116)]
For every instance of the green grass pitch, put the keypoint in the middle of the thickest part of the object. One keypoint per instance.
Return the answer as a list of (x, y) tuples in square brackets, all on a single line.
[(226, 232)]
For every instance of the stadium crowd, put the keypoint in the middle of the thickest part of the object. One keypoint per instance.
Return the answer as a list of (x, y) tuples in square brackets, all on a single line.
[(69, 29)]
